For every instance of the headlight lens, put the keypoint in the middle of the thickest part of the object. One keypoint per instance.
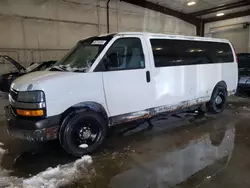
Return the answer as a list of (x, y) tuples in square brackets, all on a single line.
[(31, 96)]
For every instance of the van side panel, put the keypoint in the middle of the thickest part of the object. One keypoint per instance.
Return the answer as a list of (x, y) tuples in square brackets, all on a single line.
[(229, 73), (208, 76), (175, 84), (176, 80), (211, 74)]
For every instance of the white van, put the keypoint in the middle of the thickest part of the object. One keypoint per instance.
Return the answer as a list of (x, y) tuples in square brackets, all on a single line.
[(111, 79)]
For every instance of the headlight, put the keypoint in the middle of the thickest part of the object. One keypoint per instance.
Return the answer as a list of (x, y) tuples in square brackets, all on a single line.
[(31, 96)]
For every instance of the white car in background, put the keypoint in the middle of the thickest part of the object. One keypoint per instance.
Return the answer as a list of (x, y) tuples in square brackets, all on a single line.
[(7, 78)]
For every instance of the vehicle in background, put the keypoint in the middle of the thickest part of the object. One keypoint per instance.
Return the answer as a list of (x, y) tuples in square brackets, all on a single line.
[(7, 78), (244, 72), (112, 79)]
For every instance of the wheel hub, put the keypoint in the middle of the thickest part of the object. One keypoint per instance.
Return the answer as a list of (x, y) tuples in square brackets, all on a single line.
[(85, 133), (218, 99)]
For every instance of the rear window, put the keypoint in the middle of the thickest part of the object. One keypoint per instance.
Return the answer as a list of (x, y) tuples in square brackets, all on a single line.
[(183, 52)]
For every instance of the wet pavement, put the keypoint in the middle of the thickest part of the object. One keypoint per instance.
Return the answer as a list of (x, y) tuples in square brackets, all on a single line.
[(209, 151)]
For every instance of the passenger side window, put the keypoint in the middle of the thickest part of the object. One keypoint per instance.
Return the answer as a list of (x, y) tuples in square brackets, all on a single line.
[(168, 52), (124, 54)]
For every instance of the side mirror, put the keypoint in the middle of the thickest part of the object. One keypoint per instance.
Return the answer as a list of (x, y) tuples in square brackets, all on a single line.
[(113, 60)]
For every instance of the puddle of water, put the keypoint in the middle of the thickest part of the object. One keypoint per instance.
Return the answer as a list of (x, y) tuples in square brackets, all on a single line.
[(167, 159), (156, 158), (175, 167)]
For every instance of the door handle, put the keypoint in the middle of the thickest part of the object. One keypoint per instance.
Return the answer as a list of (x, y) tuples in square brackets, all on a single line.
[(148, 76)]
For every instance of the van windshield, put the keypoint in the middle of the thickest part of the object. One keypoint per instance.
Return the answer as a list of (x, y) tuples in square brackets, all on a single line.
[(82, 56)]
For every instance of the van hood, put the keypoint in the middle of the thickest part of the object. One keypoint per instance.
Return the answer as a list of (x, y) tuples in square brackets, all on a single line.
[(37, 80)]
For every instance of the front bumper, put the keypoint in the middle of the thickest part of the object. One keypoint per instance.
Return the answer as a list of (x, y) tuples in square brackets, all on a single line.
[(32, 130)]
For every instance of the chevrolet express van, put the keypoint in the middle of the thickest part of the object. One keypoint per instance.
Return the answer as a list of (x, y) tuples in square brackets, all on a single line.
[(111, 79)]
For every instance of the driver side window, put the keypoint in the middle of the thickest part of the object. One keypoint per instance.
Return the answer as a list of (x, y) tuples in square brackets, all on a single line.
[(124, 54)]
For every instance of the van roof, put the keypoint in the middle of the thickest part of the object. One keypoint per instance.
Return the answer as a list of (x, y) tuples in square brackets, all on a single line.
[(184, 37)]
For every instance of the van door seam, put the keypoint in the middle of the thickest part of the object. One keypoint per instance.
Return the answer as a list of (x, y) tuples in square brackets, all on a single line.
[(106, 102)]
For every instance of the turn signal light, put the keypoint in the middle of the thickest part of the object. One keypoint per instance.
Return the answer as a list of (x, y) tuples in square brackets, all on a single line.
[(30, 112)]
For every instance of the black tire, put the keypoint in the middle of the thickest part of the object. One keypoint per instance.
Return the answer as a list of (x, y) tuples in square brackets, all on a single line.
[(215, 107), (77, 127)]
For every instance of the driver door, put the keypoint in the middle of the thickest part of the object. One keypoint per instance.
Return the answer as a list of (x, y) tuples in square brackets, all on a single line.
[(126, 78)]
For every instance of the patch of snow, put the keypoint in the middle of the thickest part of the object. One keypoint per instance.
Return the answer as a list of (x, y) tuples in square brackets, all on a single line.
[(84, 146), (4, 174), (209, 177), (61, 175), (2, 151)]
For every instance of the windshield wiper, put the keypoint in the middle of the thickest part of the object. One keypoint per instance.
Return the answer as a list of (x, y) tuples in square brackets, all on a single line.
[(59, 68), (68, 69), (80, 70)]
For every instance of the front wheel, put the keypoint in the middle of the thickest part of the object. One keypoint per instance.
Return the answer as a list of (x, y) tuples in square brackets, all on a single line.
[(218, 100), (83, 133)]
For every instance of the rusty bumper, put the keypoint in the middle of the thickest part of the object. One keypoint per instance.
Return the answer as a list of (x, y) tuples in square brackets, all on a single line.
[(37, 130)]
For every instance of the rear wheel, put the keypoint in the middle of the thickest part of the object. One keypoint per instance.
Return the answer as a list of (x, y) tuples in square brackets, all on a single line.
[(83, 133), (218, 100)]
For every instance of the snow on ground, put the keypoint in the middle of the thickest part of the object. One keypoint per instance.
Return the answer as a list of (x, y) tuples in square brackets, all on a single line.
[(84, 146), (51, 178), (59, 176), (4, 179)]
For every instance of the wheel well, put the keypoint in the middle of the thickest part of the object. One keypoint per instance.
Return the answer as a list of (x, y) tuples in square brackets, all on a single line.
[(221, 83), (85, 106)]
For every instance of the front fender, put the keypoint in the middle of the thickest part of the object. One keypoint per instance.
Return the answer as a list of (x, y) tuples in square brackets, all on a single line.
[(87, 106)]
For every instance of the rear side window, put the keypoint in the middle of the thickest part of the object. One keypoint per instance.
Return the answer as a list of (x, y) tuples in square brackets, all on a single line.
[(182, 52)]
